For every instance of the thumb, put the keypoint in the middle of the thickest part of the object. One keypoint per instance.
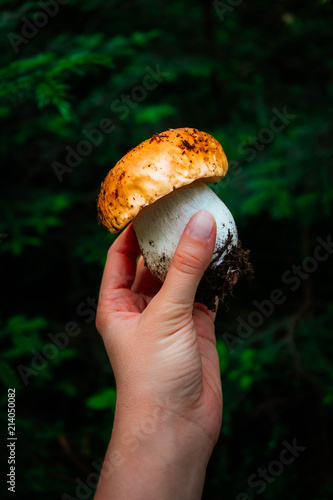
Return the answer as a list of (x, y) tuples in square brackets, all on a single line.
[(191, 259)]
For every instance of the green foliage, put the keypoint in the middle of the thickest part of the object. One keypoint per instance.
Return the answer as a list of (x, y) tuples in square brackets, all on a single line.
[(31, 218), (41, 77), (102, 400), (232, 75)]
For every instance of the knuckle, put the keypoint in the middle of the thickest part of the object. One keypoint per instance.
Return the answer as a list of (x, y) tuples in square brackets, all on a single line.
[(110, 252), (187, 262)]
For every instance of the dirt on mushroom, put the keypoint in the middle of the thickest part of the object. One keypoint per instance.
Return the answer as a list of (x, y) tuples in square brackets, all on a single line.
[(220, 281)]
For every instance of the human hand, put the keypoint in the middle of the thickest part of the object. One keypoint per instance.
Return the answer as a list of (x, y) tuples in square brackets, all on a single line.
[(162, 349)]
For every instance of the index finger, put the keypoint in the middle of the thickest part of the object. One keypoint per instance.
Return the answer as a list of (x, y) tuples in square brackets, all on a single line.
[(120, 267)]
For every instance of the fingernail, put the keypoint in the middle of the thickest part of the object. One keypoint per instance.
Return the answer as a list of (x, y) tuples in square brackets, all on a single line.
[(201, 225)]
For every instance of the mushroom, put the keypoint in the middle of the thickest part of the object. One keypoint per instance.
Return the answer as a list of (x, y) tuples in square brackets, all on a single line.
[(158, 186)]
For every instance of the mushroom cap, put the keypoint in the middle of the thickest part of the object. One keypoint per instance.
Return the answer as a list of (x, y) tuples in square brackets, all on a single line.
[(155, 168)]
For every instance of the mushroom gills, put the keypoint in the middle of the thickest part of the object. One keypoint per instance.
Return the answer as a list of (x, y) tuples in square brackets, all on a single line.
[(159, 226)]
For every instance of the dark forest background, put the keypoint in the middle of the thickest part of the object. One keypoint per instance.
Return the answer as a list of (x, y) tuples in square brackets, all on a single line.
[(257, 76)]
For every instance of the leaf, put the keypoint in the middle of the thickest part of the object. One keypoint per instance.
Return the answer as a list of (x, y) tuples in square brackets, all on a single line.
[(102, 400), (43, 77), (151, 114)]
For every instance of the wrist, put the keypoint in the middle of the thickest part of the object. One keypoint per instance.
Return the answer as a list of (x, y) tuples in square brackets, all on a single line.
[(160, 429), (158, 455)]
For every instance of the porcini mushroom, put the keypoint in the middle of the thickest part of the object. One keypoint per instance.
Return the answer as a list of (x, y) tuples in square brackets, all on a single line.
[(158, 186)]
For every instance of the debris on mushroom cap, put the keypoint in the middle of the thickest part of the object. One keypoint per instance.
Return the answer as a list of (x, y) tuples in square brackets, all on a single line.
[(155, 168)]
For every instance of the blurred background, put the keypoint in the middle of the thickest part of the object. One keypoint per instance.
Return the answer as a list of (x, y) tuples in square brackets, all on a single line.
[(81, 83)]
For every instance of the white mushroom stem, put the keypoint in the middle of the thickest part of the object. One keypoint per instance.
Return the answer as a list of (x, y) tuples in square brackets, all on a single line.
[(160, 225)]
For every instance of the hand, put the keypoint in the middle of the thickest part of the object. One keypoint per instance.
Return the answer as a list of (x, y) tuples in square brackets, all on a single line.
[(162, 349)]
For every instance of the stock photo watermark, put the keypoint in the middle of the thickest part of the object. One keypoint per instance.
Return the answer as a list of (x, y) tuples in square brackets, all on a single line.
[(31, 27), (222, 8), (11, 440), (264, 309), (130, 443), (265, 476), (121, 107), (58, 341), (256, 144)]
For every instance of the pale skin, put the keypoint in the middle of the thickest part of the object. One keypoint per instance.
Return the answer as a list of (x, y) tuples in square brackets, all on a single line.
[(162, 349)]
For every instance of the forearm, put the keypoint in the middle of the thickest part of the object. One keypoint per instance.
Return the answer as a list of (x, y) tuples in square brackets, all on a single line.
[(152, 458)]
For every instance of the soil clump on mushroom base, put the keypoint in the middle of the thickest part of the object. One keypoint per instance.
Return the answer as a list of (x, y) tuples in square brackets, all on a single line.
[(220, 281)]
